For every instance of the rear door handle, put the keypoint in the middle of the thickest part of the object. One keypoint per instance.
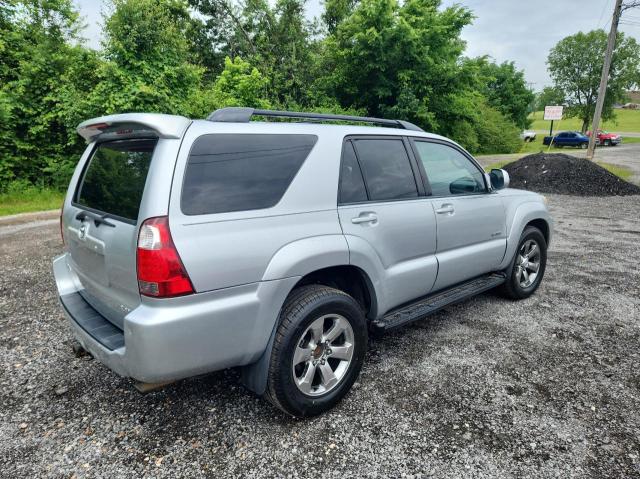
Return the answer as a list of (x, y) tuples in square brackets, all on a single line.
[(446, 209), (367, 217)]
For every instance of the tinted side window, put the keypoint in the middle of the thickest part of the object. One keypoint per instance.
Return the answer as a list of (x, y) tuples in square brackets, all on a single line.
[(232, 172), (114, 179), (386, 169), (449, 171), (352, 188)]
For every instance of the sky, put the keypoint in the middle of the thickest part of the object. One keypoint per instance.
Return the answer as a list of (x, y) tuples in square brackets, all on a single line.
[(522, 31)]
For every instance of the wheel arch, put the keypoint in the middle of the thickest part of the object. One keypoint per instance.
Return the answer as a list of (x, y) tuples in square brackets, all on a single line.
[(530, 213), (543, 226), (346, 277)]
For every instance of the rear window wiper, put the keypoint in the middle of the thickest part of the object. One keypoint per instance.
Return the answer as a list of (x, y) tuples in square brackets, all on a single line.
[(97, 219)]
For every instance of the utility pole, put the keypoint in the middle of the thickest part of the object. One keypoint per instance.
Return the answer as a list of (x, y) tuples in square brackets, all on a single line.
[(611, 43)]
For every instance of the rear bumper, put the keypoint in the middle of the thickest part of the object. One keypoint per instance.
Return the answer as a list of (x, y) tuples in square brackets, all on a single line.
[(169, 339)]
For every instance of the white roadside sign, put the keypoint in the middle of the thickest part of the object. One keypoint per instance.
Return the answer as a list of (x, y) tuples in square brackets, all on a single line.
[(553, 112)]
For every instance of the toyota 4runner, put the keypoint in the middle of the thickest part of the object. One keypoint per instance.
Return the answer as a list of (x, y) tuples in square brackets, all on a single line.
[(278, 247)]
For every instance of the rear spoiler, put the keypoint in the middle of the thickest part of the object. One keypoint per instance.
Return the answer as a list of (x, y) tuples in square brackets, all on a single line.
[(133, 125)]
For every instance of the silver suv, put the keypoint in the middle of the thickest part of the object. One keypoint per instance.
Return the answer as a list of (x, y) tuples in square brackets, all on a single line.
[(278, 247)]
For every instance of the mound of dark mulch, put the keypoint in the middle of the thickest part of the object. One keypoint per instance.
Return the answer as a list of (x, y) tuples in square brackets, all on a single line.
[(566, 175)]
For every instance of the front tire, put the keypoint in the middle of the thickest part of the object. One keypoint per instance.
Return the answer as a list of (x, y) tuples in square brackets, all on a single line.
[(318, 350), (527, 268)]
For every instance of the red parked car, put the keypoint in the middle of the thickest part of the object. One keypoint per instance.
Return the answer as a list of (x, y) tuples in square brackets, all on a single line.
[(607, 139)]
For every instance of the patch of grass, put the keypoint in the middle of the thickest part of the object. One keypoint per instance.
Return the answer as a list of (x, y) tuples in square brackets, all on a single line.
[(24, 199), (626, 120), (536, 146), (620, 171), (497, 165), (630, 139)]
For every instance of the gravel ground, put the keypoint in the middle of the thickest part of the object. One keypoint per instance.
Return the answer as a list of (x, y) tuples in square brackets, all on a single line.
[(546, 387)]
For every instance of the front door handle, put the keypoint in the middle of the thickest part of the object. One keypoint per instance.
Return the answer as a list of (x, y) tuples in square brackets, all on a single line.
[(367, 217), (446, 209)]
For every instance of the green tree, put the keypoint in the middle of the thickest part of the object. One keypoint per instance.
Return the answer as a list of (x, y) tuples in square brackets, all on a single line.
[(35, 53), (146, 54), (549, 96), (495, 132), (335, 11), (277, 40), (507, 91), (575, 65), (239, 84), (404, 61), (386, 57)]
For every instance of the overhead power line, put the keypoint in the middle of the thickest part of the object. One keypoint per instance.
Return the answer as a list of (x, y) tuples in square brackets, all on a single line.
[(604, 7), (604, 77)]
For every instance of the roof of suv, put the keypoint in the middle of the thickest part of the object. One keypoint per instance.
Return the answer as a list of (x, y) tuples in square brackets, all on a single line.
[(174, 126), (314, 128)]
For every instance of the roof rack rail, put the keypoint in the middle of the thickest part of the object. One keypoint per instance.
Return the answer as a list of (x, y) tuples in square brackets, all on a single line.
[(243, 115)]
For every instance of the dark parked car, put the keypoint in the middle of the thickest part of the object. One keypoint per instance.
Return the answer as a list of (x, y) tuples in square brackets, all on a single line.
[(568, 138)]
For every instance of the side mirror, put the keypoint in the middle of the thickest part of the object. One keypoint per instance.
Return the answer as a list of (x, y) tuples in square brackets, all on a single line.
[(499, 179)]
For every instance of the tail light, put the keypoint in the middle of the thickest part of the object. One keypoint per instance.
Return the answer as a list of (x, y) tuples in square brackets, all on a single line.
[(161, 273)]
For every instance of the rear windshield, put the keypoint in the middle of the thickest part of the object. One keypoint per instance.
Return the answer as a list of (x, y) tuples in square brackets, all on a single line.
[(114, 179), (235, 172)]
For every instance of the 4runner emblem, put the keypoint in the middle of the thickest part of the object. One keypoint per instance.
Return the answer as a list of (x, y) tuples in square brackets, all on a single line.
[(82, 232)]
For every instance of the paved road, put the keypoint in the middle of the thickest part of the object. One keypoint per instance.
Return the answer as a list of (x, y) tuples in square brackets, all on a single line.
[(627, 155), (546, 387)]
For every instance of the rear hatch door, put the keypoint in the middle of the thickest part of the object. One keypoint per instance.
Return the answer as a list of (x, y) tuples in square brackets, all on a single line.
[(100, 223)]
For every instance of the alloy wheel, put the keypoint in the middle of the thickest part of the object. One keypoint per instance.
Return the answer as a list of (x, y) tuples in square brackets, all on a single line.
[(323, 355), (528, 263)]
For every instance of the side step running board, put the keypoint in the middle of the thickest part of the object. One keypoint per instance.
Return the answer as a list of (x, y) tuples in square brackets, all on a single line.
[(430, 304)]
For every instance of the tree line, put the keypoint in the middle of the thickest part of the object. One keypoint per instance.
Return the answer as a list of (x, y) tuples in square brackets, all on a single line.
[(575, 66), (387, 58)]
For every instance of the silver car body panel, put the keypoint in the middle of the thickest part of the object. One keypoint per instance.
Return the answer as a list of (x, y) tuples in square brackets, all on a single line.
[(522, 207), (471, 240), (173, 339), (105, 257), (397, 251), (243, 264)]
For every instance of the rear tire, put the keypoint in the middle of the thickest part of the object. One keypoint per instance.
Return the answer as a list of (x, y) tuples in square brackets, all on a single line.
[(318, 350), (528, 265)]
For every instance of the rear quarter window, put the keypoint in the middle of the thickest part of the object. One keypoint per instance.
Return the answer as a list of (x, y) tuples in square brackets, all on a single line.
[(239, 172), (114, 178)]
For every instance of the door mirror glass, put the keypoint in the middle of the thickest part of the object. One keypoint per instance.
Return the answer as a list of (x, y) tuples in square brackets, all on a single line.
[(499, 179)]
